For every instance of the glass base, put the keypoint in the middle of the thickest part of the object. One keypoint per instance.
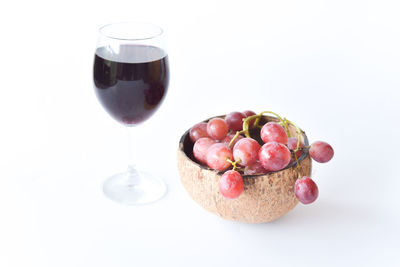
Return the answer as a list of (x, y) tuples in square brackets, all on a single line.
[(134, 188)]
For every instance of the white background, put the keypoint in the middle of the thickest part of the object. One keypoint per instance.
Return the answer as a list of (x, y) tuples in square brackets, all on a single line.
[(331, 66)]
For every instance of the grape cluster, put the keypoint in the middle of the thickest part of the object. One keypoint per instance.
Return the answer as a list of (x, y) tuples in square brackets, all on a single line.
[(222, 143)]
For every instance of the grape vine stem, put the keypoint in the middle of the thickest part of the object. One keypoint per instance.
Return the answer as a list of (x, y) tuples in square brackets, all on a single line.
[(233, 163), (246, 125)]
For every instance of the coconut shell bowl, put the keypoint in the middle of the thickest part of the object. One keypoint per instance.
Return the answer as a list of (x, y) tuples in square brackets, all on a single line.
[(265, 197)]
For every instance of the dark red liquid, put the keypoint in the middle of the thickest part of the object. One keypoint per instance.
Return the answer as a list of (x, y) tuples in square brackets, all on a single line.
[(132, 82)]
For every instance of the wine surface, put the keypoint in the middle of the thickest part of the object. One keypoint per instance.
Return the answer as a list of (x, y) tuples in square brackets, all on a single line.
[(131, 83)]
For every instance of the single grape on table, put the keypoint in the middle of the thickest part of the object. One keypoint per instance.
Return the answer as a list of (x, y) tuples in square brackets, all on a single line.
[(306, 190)]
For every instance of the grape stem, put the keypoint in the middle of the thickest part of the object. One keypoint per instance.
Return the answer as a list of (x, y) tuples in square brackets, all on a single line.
[(233, 163), (234, 138), (246, 123), (282, 121)]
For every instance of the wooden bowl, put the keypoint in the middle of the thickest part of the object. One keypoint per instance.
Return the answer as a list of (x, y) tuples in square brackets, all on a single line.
[(265, 197)]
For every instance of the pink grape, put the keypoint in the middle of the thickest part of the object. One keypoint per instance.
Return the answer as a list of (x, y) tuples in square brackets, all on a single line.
[(274, 156), (235, 120), (249, 113), (201, 147), (198, 131), (229, 137), (231, 184), (217, 155), (246, 151), (273, 132), (306, 190), (292, 145), (321, 152), (217, 128), (255, 168)]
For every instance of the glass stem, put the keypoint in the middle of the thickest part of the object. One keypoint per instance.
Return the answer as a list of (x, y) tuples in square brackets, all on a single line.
[(133, 175)]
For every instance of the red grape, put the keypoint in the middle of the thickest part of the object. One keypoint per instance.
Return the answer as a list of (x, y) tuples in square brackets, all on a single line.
[(200, 148), (246, 150), (273, 132), (217, 128), (292, 145), (235, 121), (274, 156), (321, 152), (255, 168), (229, 137), (249, 113), (306, 190), (198, 131), (231, 184), (217, 155)]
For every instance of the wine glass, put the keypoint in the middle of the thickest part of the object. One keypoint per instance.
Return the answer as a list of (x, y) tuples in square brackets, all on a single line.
[(131, 77)]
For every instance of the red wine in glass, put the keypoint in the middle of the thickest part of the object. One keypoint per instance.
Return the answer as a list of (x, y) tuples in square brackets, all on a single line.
[(130, 77), (131, 85)]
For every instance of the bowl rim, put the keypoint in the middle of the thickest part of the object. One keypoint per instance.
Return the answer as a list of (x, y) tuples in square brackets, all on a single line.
[(291, 165)]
